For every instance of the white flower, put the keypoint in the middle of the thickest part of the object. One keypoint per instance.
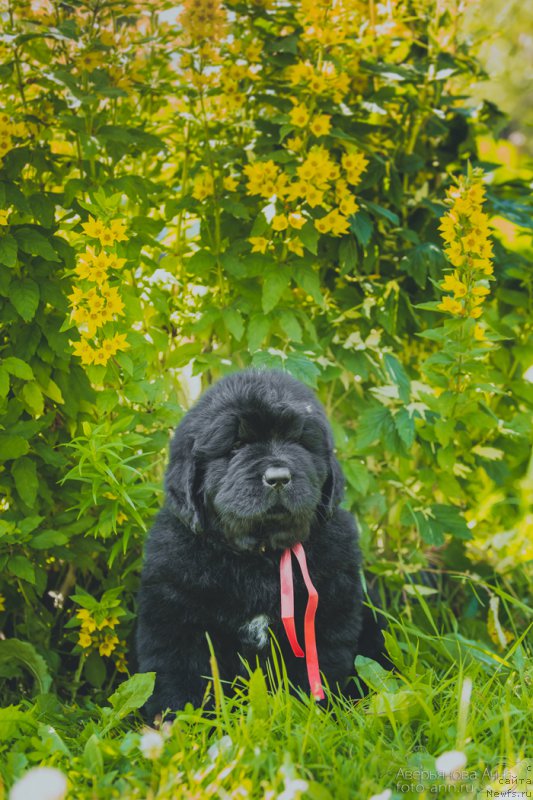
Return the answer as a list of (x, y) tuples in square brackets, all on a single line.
[(450, 762), (40, 783), (220, 747), (293, 788), (384, 795), (151, 744)]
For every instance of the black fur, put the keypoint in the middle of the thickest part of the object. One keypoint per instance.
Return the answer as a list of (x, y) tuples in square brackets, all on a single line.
[(212, 557)]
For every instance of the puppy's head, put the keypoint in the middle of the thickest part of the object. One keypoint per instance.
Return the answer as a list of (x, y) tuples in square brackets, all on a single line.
[(253, 462)]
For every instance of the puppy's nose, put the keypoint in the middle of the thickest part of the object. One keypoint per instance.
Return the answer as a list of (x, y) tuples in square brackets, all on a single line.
[(277, 477)]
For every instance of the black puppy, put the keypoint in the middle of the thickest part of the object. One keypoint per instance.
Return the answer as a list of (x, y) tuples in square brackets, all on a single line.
[(251, 473)]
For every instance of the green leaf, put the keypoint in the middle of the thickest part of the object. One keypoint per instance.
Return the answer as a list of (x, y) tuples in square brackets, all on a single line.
[(14, 723), (33, 397), (12, 446), (18, 368), (398, 375), (383, 212), (449, 520), (274, 285), (8, 250), (22, 568), (24, 296), (48, 539), (309, 236), (357, 475), (362, 226), (371, 425), (4, 382), (377, 677), (95, 669), (92, 753), (233, 322), (258, 329), (290, 325), (130, 695), (201, 262), (33, 242), (308, 280), (258, 695), (405, 426), (15, 650), (302, 368), (24, 472)]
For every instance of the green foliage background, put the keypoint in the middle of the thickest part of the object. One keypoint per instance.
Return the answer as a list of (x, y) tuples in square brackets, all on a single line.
[(116, 112)]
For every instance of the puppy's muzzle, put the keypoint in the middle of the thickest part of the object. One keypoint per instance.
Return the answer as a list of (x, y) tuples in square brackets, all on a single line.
[(277, 477)]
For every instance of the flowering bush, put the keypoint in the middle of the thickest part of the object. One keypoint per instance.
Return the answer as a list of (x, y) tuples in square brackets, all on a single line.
[(189, 190)]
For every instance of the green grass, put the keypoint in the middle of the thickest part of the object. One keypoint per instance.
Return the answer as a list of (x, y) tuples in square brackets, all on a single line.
[(452, 690)]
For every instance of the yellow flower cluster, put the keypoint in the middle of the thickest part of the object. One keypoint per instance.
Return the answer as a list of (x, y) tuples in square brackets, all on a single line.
[(202, 20), (330, 23), (204, 186), (100, 635), (320, 80), (93, 307), (465, 230), (2, 603), (320, 182)]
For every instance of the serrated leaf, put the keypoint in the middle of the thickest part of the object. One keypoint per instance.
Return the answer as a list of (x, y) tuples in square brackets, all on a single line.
[(302, 368), (130, 696), (274, 285), (362, 226), (26, 654), (405, 426), (8, 250), (14, 723), (371, 425), (398, 375), (24, 473), (18, 368), (24, 296)]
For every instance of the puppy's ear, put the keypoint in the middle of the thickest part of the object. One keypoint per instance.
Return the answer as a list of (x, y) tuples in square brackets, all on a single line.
[(182, 482), (333, 489)]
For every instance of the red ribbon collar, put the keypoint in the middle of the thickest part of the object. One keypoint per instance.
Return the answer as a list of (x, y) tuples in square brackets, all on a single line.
[(287, 615)]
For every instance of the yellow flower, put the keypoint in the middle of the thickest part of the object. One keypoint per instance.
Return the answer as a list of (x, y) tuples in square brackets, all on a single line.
[(314, 197), (479, 333), (87, 622), (338, 223), (261, 178), (108, 622), (475, 312), (322, 224), (204, 186), (83, 350), (229, 183), (90, 60), (76, 297), (93, 228), (299, 116), (114, 304), (452, 284), (321, 125), (84, 639), (259, 244), (296, 220), (121, 664), (295, 246), (280, 222), (480, 291), (101, 357), (450, 305), (108, 644), (348, 206), (2, 603), (354, 165), (295, 143), (4, 217)]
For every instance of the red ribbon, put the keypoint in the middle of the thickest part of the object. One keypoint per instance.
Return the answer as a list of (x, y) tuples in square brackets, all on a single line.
[(287, 615)]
